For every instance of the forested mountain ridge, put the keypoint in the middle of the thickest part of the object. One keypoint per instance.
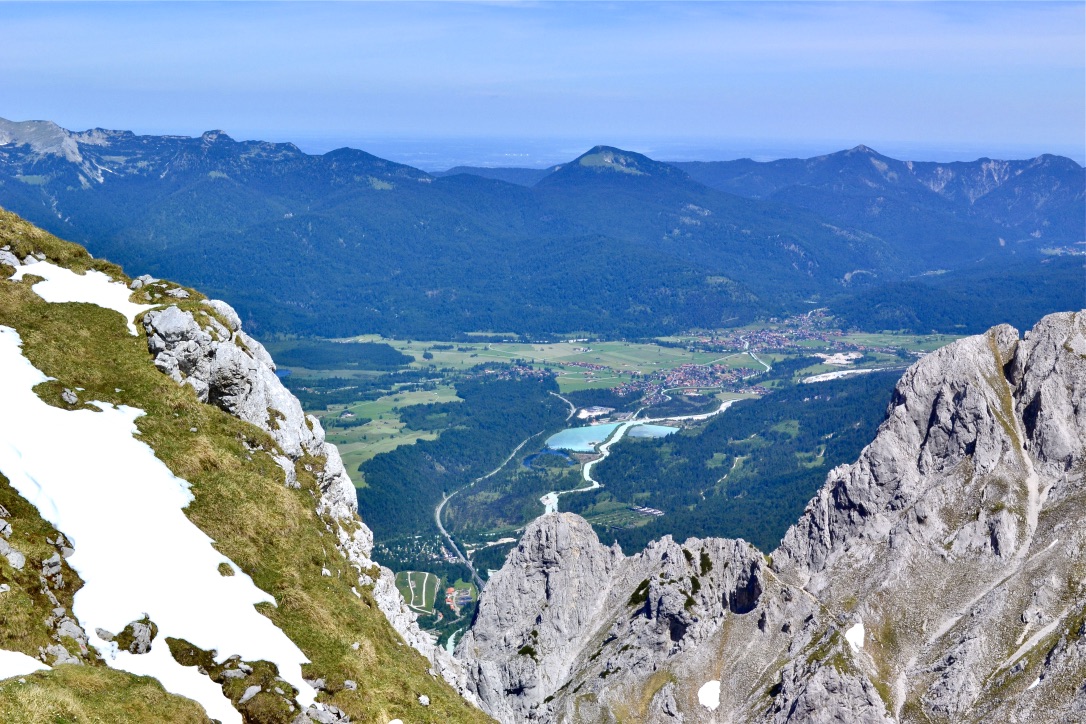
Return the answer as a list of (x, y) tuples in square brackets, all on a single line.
[(345, 242), (1005, 202), (1040, 198)]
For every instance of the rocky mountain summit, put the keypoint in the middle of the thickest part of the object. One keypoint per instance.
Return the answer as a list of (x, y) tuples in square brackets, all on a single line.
[(939, 578)]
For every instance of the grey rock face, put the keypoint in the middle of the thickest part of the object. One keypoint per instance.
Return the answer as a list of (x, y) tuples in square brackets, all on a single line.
[(8, 258), (229, 369), (322, 714), (233, 371), (139, 635), (939, 578), (14, 558), (58, 656), (564, 604), (141, 281)]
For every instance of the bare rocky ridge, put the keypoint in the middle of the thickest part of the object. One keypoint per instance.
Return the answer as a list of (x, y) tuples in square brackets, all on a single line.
[(939, 578), (210, 353)]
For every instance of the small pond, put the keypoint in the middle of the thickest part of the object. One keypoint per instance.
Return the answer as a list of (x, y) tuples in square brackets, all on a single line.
[(550, 456), (650, 431)]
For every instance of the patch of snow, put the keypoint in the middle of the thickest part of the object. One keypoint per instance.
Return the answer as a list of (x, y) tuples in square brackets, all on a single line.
[(1035, 683), (709, 695), (855, 636), (16, 663), (94, 287), (177, 679), (122, 509)]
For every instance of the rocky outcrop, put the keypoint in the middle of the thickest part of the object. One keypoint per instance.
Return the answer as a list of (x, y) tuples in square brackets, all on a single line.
[(564, 603), (208, 351), (939, 578)]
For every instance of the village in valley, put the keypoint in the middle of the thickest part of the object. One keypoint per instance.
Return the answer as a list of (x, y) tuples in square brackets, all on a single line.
[(606, 383)]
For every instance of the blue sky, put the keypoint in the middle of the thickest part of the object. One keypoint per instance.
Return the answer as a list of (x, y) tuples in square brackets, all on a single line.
[(528, 82)]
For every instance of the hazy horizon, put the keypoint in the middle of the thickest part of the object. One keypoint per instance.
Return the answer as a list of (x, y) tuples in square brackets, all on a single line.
[(443, 153), (439, 84)]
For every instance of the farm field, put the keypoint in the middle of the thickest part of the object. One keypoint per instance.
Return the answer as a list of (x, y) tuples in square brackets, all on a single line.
[(419, 589), (384, 431), (615, 515), (911, 342), (619, 356)]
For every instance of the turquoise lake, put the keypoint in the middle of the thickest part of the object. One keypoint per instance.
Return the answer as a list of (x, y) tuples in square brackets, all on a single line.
[(580, 439)]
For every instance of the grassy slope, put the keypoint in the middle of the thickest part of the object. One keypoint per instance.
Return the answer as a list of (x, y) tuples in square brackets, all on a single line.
[(92, 695), (25, 608), (271, 532)]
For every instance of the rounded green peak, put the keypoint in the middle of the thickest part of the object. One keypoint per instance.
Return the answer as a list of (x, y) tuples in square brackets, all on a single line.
[(608, 158)]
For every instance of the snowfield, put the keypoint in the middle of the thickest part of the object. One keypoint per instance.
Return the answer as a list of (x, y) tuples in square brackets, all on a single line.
[(16, 663), (709, 695), (122, 509), (855, 636), (94, 287)]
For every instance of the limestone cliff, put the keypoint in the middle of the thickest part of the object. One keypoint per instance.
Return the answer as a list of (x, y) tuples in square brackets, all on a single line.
[(210, 352), (939, 578)]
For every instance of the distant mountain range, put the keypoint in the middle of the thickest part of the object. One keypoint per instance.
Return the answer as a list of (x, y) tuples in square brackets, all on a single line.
[(1040, 198), (612, 242)]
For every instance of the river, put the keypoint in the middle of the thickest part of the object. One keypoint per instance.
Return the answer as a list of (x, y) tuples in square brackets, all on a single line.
[(550, 500)]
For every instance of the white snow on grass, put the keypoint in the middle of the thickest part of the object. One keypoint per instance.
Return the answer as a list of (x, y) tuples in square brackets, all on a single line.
[(709, 695), (855, 636), (94, 287), (185, 680), (16, 663), (136, 551)]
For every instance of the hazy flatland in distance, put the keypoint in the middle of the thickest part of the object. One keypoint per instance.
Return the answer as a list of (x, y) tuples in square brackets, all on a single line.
[(441, 154)]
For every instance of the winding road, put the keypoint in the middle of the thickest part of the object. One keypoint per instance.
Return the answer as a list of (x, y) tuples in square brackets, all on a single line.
[(446, 498)]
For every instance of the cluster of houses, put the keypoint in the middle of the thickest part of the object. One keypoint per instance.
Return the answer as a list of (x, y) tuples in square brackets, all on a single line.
[(457, 598), (690, 376), (588, 366), (814, 326), (517, 372)]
